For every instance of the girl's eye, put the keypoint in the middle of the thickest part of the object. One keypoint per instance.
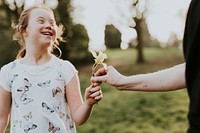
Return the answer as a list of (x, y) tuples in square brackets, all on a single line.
[(41, 21), (52, 23)]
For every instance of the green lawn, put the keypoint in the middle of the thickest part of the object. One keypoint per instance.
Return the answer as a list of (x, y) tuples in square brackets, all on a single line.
[(137, 112)]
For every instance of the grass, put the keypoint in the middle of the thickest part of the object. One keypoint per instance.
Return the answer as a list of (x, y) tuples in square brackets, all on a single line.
[(137, 112)]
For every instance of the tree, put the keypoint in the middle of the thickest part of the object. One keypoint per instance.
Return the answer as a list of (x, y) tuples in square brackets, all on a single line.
[(141, 30), (63, 17), (75, 36), (79, 46), (10, 12), (112, 37)]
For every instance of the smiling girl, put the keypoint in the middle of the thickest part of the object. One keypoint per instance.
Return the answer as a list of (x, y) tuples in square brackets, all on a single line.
[(41, 91)]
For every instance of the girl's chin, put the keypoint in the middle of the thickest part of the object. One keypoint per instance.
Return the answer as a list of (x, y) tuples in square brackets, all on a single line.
[(46, 44), (49, 42)]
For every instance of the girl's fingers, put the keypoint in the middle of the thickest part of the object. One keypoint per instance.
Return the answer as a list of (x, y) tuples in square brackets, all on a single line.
[(88, 90), (94, 89), (95, 94), (98, 98)]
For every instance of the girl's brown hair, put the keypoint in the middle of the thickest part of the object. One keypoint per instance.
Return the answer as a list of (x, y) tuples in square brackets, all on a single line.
[(22, 24)]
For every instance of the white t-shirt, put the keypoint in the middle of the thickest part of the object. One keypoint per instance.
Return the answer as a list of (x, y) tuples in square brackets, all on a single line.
[(38, 96)]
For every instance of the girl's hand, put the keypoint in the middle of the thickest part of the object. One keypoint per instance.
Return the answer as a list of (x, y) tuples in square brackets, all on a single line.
[(93, 94)]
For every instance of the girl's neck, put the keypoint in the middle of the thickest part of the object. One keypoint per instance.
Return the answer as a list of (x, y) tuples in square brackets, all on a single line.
[(36, 59)]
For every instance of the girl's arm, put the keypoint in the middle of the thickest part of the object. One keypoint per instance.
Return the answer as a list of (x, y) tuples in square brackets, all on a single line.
[(80, 110), (5, 106)]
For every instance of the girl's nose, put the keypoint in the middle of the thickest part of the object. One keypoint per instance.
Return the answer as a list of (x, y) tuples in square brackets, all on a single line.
[(48, 26)]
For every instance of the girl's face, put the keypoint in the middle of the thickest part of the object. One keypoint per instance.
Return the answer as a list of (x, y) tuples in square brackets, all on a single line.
[(41, 29)]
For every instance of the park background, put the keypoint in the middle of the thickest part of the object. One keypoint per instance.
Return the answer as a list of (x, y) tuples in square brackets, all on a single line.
[(139, 36)]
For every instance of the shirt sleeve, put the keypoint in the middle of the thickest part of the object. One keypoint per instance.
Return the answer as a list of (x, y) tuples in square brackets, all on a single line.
[(68, 71), (4, 77)]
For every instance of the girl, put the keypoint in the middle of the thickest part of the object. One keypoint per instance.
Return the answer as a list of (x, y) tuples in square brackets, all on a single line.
[(42, 91)]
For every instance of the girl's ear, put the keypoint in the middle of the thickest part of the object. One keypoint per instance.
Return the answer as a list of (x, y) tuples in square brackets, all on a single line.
[(21, 28), (23, 31)]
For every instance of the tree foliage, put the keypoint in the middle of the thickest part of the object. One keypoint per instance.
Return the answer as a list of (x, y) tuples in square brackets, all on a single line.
[(79, 45), (8, 48), (75, 36), (112, 37), (75, 47)]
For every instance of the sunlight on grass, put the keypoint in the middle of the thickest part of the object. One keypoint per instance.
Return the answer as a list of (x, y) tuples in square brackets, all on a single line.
[(139, 112)]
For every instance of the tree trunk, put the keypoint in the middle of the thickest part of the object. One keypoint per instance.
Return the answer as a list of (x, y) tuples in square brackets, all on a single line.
[(140, 55)]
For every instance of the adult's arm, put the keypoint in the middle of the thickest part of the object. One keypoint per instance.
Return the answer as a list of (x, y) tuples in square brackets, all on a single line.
[(164, 80)]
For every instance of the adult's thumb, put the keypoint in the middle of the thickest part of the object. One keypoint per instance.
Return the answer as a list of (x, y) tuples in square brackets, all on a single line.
[(98, 79)]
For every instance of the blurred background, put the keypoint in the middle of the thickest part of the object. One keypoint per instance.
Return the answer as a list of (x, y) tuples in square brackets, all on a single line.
[(139, 36)]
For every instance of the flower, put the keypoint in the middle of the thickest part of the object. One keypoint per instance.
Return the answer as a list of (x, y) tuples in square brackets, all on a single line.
[(98, 60)]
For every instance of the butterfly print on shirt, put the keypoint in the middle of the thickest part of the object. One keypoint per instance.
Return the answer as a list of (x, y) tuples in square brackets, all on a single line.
[(44, 84), (52, 128), (29, 127), (46, 108), (71, 124), (13, 78), (26, 86), (28, 117), (60, 77), (59, 111), (13, 66), (16, 104), (55, 91), (16, 124), (24, 98)]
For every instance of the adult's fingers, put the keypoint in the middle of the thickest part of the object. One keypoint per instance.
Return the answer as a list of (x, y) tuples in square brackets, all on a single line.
[(101, 71), (94, 84), (98, 79)]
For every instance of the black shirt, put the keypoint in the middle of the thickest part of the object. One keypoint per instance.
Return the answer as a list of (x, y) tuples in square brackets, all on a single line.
[(191, 44)]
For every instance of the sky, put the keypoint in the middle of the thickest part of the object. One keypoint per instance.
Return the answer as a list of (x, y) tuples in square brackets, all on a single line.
[(163, 18)]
